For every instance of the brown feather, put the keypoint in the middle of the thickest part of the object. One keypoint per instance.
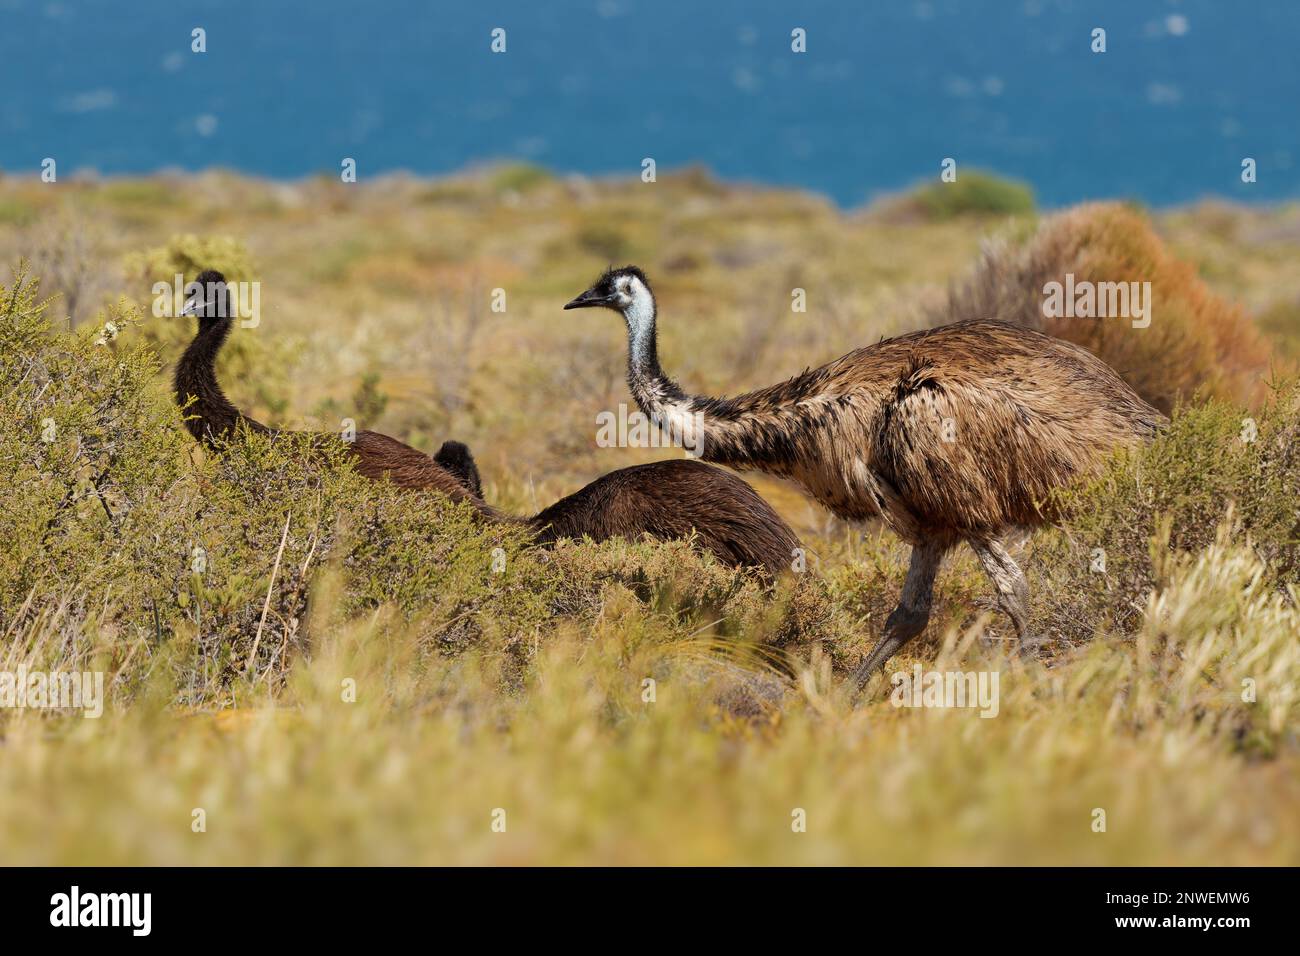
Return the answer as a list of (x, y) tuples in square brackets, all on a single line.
[(668, 500)]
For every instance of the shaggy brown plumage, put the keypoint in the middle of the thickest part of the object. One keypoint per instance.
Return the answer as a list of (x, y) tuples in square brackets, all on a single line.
[(210, 416), (666, 500), (952, 434)]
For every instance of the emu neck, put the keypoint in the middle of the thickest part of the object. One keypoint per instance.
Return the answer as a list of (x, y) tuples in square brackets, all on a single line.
[(652, 389), (757, 430), (643, 350), (210, 414)]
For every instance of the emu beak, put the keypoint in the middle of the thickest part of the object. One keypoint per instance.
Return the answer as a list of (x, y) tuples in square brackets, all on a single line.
[(589, 299), (191, 307)]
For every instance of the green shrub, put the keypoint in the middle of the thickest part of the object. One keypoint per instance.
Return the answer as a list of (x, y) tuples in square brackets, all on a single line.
[(15, 212), (128, 536), (1281, 323), (136, 193), (368, 399), (254, 365), (1216, 463), (975, 193), (188, 255), (603, 242), (519, 178)]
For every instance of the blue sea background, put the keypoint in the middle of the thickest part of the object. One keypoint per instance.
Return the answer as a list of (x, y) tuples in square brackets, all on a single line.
[(885, 92)]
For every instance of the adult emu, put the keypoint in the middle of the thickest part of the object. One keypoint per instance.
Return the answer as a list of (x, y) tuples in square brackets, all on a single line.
[(957, 433), (210, 416), (666, 500)]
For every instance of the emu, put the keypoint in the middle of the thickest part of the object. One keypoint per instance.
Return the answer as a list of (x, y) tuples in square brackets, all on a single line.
[(210, 417), (666, 500), (951, 434)]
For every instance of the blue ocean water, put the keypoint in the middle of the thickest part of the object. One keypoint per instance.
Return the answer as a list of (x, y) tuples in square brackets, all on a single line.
[(885, 91)]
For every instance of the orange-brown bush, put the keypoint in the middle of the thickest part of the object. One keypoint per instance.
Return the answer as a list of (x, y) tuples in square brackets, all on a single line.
[(1196, 341)]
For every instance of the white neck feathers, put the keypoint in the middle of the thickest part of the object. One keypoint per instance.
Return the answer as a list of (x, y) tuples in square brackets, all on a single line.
[(640, 317)]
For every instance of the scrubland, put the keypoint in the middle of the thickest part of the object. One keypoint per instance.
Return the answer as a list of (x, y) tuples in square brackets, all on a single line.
[(333, 671)]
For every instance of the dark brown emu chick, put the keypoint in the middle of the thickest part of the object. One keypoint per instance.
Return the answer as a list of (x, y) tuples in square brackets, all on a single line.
[(666, 500), (951, 434), (210, 416)]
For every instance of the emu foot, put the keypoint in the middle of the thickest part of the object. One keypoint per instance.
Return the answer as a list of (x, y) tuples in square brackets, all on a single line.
[(1033, 646), (874, 661), (903, 625), (862, 673), (986, 605)]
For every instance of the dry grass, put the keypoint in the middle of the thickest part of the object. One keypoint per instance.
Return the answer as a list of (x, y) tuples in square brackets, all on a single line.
[(1153, 732)]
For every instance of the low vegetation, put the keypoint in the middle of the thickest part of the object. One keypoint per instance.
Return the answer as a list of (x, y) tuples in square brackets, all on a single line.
[(333, 671), (975, 193)]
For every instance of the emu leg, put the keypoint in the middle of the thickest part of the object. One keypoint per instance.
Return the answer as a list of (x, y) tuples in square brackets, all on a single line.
[(911, 615), (1011, 586)]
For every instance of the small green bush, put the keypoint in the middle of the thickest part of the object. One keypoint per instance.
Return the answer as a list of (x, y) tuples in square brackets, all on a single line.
[(134, 193), (188, 255), (975, 193), (15, 212), (1216, 463), (604, 242), (255, 365), (519, 178)]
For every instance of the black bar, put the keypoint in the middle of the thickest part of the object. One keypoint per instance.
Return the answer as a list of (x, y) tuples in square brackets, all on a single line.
[(333, 906)]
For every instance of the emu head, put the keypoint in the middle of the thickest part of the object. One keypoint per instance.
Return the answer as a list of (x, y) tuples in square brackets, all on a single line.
[(624, 290), (456, 458), (208, 298)]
